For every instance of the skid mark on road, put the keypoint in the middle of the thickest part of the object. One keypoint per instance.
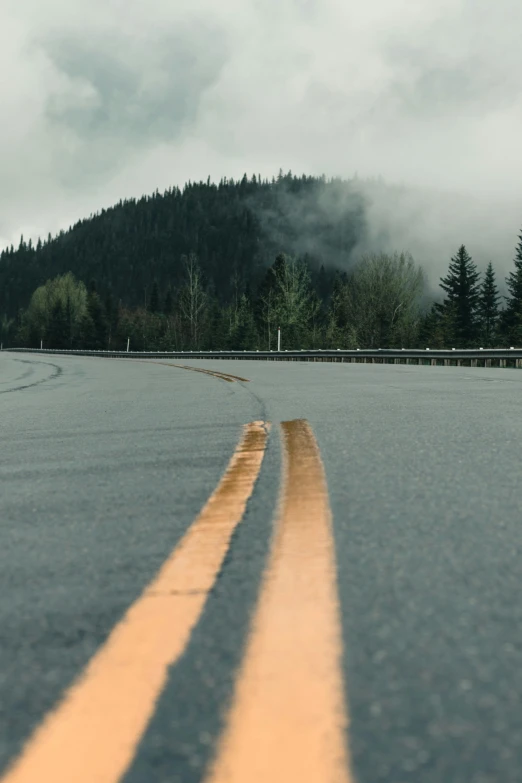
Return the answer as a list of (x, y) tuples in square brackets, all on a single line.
[(26, 374), (288, 719), (93, 734), (224, 376), (57, 372)]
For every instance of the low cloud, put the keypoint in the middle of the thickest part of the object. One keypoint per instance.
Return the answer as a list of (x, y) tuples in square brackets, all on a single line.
[(108, 100)]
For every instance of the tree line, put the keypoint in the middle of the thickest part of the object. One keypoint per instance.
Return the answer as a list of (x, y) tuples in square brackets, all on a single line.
[(223, 265), (235, 228), (378, 303)]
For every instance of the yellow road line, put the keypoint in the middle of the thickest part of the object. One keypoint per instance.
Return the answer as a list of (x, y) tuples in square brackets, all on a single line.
[(93, 734), (288, 719)]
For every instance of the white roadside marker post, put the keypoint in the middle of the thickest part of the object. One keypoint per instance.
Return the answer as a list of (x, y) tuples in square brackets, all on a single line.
[(128, 342), (278, 338)]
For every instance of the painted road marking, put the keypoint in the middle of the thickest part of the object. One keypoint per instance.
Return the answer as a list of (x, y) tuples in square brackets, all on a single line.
[(288, 719), (93, 734)]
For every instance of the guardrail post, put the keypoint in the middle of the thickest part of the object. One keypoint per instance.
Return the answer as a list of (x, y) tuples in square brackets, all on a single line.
[(433, 362), (487, 362), (473, 362)]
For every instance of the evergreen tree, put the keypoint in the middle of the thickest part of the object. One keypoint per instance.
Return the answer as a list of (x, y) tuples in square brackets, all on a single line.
[(322, 284), (6, 330), (94, 331), (244, 334), (87, 334), (154, 301), (336, 320), (316, 327), (58, 328), (219, 327), (69, 320), (111, 317), (512, 315), (428, 323), (488, 311), (460, 306), (436, 327), (168, 304)]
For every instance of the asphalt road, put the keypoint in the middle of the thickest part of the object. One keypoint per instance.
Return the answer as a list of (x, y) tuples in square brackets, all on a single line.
[(104, 466)]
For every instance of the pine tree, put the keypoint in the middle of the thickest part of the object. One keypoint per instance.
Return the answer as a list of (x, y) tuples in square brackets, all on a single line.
[(322, 284), (93, 330), (488, 311), (154, 303), (512, 315), (428, 326), (244, 336), (6, 330), (168, 304), (461, 285), (69, 320), (219, 327), (58, 328), (111, 317), (436, 327)]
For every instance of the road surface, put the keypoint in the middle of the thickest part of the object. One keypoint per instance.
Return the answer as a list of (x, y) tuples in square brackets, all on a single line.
[(305, 572)]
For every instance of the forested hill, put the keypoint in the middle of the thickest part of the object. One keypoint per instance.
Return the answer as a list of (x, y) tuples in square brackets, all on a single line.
[(221, 266), (235, 228)]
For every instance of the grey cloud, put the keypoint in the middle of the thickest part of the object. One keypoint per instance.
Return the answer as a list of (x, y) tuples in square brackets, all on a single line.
[(123, 104), (116, 98), (444, 90), (439, 91)]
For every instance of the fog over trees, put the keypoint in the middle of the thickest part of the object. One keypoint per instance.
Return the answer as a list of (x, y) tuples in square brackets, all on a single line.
[(222, 266)]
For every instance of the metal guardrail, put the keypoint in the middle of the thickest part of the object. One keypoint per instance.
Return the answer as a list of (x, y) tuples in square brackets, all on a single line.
[(484, 357)]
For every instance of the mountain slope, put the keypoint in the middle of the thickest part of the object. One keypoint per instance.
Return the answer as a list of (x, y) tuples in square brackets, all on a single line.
[(235, 228)]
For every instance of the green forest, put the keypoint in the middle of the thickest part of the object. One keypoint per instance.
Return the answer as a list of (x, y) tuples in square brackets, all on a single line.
[(222, 266)]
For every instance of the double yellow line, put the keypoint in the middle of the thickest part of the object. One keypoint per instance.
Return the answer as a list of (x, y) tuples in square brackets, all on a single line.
[(288, 719)]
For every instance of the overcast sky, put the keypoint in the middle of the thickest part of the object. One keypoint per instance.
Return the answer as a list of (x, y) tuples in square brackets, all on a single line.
[(108, 99)]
